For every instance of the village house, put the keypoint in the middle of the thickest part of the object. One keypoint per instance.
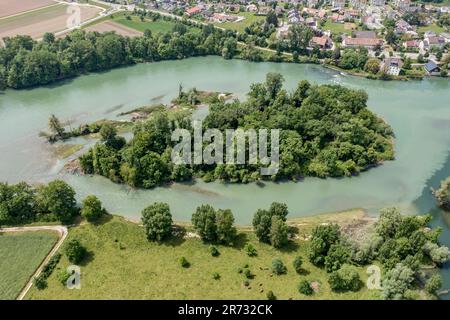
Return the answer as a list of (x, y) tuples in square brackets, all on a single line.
[(358, 4), (434, 42), (312, 3), (337, 5), (361, 42), (252, 8), (411, 45), (446, 36), (193, 11), (377, 3), (223, 17), (402, 5), (393, 65), (432, 68), (401, 26), (323, 42)]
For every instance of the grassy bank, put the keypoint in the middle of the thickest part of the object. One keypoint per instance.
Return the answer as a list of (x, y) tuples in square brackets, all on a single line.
[(122, 264), (20, 255)]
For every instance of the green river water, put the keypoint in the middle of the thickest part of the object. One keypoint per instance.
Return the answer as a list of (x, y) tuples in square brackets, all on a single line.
[(419, 113)]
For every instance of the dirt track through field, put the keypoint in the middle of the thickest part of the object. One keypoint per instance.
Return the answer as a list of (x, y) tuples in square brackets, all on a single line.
[(36, 23)]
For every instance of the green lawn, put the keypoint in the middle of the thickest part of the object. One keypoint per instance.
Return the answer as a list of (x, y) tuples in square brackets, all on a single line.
[(240, 26), (336, 28), (160, 26), (122, 264), (434, 27), (20, 256)]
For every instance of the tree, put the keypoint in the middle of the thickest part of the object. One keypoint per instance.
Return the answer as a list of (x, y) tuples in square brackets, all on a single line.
[(272, 19), (443, 194), (304, 287), (226, 232), (433, 284), (17, 203), (92, 208), (75, 252), (55, 126), (278, 267), (438, 254), (372, 65), (48, 38), (250, 250), (397, 281), (345, 279), (157, 221), (57, 198), (299, 37), (322, 238), (278, 232), (337, 256), (204, 222), (270, 295), (391, 37), (388, 222)]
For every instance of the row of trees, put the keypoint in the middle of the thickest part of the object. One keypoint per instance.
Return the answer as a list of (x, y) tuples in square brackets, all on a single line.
[(22, 203), (26, 63), (325, 131)]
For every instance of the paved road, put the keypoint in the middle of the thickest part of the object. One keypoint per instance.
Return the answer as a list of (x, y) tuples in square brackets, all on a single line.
[(61, 230)]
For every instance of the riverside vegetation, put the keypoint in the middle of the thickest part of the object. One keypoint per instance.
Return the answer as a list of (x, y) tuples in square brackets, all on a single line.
[(270, 261), (326, 131)]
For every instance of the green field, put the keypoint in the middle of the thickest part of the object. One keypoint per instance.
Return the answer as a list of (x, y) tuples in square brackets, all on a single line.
[(336, 28), (20, 255), (160, 26), (240, 26), (122, 264), (433, 27)]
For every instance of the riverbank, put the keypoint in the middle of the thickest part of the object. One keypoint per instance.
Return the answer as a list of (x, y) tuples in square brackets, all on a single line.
[(122, 264)]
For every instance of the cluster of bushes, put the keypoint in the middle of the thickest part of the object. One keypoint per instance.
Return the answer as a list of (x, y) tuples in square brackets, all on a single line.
[(325, 131), (41, 280), (401, 243), (214, 226), (270, 225), (22, 203)]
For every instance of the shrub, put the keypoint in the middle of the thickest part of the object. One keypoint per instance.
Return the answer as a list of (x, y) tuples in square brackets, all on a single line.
[(270, 295), (214, 251), (184, 263), (297, 263), (216, 276), (397, 281), (75, 252), (345, 279), (92, 208), (157, 221), (278, 267), (250, 250), (50, 266), (63, 276), (248, 274), (304, 287), (433, 284), (40, 282)]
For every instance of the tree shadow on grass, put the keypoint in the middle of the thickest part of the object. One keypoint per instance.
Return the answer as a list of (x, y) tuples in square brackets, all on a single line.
[(103, 220), (291, 246), (89, 257), (303, 272), (177, 237), (240, 241)]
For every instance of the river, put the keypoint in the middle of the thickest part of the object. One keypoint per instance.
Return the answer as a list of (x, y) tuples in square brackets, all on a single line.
[(418, 111)]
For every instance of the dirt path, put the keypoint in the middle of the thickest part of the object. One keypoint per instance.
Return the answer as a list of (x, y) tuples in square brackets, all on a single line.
[(61, 230)]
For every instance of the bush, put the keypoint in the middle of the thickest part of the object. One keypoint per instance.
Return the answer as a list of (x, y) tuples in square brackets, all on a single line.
[(278, 267), (216, 276), (345, 279), (250, 250), (157, 221), (433, 284), (75, 252), (397, 281), (40, 282), (184, 263), (50, 266), (248, 274), (63, 276), (214, 251), (297, 263), (270, 295), (304, 287), (92, 208)]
